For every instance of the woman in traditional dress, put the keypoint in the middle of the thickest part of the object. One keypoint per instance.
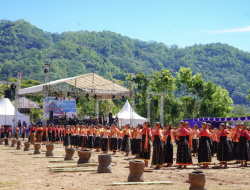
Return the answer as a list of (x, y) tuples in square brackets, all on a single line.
[(137, 143), (105, 139), (17, 132), (39, 131), (72, 136), (236, 136), (224, 152), (53, 134), (32, 134), (50, 133), (145, 148), (2, 132), (91, 137), (114, 141), (120, 139), (183, 150), (77, 137), (157, 138), (243, 148), (133, 138), (127, 136), (85, 138), (9, 132), (195, 140), (98, 138), (44, 134), (57, 134), (168, 146), (204, 151), (67, 134), (209, 127), (188, 136), (214, 140)]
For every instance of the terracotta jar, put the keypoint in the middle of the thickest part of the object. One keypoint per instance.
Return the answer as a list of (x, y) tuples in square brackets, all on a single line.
[(1, 141)]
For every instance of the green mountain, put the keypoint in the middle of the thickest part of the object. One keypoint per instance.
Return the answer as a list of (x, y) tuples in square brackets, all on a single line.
[(26, 48)]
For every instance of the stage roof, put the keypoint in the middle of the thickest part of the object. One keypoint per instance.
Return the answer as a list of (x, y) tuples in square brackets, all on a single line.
[(91, 83)]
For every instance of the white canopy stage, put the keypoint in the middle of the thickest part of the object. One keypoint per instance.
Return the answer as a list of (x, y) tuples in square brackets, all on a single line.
[(84, 85), (7, 113), (91, 83), (25, 103), (128, 116)]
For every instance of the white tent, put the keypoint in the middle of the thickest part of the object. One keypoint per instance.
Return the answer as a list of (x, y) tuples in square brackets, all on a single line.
[(7, 112), (128, 116)]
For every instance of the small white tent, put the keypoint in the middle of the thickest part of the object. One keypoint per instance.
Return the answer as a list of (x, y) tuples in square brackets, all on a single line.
[(7, 112), (128, 116)]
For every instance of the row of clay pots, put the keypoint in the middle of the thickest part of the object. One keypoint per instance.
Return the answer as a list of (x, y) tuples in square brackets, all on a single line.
[(197, 179)]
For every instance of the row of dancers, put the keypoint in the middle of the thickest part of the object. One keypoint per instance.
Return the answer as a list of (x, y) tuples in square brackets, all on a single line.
[(227, 144)]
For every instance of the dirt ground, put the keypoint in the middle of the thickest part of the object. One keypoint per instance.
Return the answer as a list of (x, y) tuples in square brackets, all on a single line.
[(27, 172)]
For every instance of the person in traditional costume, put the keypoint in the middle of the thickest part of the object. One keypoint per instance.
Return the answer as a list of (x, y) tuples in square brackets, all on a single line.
[(158, 139), (39, 131), (105, 139), (67, 134), (209, 127), (32, 134), (50, 133), (204, 150), (137, 143), (72, 136), (62, 133), (98, 138), (17, 132), (183, 157), (57, 134), (235, 133), (229, 136), (44, 134), (85, 137), (214, 140), (188, 136), (195, 140), (145, 149), (2, 132), (77, 137), (91, 137), (168, 146), (114, 141), (9, 132), (126, 143), (224, 152), (133, 138), (53, 134), (120, 139), (24, 132), (243, 148)]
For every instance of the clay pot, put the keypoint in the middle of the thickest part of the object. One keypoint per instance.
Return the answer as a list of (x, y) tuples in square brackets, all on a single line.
[(197, 180), (50, 148), (26, 146), (13, 142), (37, 148), (1, 141), (136, 168), (18, 144), (84, 156), (104, 163), (6, 141), (69, 153)]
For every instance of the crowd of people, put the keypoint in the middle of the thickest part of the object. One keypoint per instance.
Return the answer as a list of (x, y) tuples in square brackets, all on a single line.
[(227, 143)]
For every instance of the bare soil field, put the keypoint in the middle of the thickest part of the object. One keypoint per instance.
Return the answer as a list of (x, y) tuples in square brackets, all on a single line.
[(21, 170)]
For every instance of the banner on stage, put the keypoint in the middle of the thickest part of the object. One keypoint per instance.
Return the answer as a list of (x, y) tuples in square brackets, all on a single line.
[(60, 106)]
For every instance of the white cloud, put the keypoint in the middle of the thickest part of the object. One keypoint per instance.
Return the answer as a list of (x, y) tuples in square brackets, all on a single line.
[(243, 29)]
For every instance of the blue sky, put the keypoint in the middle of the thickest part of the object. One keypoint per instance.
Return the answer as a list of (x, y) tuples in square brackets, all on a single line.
[(180, 22)]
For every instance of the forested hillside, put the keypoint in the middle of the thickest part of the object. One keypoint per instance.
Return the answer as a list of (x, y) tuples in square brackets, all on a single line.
[(24, 47)]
